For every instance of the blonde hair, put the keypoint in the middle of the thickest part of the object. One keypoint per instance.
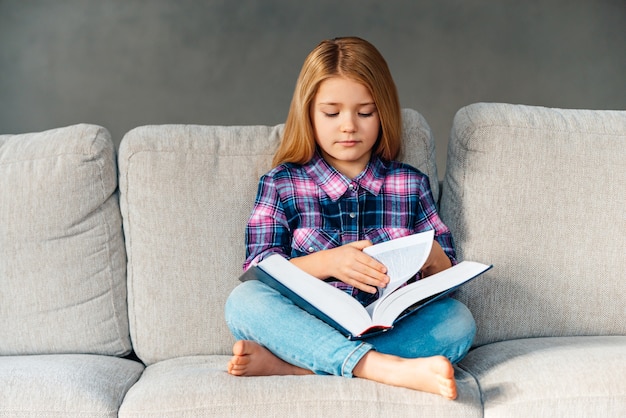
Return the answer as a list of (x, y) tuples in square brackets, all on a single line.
[(349, 57)]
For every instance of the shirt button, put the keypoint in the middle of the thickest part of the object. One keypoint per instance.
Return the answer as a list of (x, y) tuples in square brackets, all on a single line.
[(311, 249), (352, 215)]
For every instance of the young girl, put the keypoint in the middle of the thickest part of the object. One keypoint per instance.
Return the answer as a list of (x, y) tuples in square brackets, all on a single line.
[(334, 190)]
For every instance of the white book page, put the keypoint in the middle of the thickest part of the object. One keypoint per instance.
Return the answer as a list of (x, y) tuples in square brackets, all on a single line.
[(396, 303), (403, 257)]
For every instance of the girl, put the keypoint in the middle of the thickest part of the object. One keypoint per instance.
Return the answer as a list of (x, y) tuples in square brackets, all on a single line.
[(334, 190)]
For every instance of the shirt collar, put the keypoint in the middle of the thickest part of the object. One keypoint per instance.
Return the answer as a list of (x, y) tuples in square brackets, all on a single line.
[(335, 184)]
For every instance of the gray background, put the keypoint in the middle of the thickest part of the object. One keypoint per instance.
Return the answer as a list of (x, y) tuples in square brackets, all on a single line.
[(127, 63)]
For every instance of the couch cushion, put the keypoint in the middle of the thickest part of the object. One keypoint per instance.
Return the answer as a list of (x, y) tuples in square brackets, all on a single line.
[(186, 194), (64, 385), (62, 262), (540, 193), (200, 386), (548, 377)]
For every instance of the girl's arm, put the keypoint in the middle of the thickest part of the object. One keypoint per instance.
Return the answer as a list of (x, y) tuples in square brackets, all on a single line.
[(437, 261), (347, 263), (442, 255), (267, 231)]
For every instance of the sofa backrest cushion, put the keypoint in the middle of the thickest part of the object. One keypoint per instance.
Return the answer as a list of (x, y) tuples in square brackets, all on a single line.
[(541, 194), (62, 256), (186, 194)]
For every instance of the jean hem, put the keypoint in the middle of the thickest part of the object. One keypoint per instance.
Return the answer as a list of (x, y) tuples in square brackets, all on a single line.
[(353, 359)]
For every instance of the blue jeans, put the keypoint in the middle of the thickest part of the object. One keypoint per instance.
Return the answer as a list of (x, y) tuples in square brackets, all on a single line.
[(256, 312)]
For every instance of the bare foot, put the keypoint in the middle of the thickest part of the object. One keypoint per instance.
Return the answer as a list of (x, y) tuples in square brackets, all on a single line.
[(429, 374), (252, 359)]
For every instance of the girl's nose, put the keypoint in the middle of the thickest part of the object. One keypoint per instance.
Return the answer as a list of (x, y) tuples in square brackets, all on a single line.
[(348, 125)]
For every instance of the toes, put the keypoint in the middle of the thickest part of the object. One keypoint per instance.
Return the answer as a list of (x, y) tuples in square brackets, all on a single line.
[(239, 348), (239, 360), (447, 387)]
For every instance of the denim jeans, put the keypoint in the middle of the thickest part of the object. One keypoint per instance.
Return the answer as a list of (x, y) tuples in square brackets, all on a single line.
[(256, 312)]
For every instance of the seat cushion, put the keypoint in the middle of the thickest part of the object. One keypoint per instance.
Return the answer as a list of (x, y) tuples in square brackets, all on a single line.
[(200, 386), (63, 262), (549, 377), (64, 385)]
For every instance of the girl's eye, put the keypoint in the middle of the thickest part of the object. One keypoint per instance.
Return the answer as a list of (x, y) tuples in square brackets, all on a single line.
[(360, 114)]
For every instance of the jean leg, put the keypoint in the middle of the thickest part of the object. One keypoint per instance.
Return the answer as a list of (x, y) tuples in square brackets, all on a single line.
[(256, 312), (445, 327)]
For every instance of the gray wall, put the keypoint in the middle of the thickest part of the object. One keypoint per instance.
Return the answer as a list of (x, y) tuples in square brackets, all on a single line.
[(126, 63)]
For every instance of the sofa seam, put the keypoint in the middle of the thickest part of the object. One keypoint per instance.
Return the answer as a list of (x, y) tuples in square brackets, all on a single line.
[(109, 236), (129, 257), (480, 389), (127, 386)]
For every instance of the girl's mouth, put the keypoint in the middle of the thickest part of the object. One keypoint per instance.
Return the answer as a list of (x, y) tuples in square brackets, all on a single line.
[(348, 143)]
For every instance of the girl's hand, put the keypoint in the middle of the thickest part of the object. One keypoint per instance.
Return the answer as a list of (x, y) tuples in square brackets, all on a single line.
[(436, 262), (347, 263)]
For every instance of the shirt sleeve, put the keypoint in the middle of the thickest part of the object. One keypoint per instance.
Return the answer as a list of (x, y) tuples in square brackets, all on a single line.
[(267, 231), (428, 218)]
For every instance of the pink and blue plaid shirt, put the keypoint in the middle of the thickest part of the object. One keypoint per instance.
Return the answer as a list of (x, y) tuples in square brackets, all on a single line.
[(300, 209)]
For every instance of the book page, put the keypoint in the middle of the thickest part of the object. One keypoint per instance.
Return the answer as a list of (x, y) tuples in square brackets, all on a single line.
[(403, 257), (388, 310)]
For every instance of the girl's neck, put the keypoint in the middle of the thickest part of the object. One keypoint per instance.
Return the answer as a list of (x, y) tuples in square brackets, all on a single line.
[(350, 169)]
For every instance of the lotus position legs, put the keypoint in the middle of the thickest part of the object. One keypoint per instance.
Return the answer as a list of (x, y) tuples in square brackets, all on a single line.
[(431, 374)]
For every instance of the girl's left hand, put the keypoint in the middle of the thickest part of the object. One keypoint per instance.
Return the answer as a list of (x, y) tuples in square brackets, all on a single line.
[(436, 262)]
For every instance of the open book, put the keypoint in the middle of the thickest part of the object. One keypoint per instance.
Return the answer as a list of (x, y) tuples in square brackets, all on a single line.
[(403, 258)]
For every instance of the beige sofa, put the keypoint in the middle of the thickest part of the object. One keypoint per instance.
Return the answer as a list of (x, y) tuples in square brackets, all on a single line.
[(114, 269)]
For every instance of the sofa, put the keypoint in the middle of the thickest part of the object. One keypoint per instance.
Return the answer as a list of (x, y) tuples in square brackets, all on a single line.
[(115, 265)]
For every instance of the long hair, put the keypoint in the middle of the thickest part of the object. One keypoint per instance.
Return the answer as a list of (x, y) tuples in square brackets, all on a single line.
[(349, 57)]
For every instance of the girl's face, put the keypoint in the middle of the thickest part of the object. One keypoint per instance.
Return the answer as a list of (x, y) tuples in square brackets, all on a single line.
[(345, 123)]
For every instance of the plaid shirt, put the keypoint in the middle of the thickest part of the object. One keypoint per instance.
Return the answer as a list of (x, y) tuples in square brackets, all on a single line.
[(300, 209)]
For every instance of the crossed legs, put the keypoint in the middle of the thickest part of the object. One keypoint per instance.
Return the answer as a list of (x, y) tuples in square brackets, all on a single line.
[(418, 353)]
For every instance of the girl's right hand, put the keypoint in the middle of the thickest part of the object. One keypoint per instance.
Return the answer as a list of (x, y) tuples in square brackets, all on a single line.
[(347, 263)]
